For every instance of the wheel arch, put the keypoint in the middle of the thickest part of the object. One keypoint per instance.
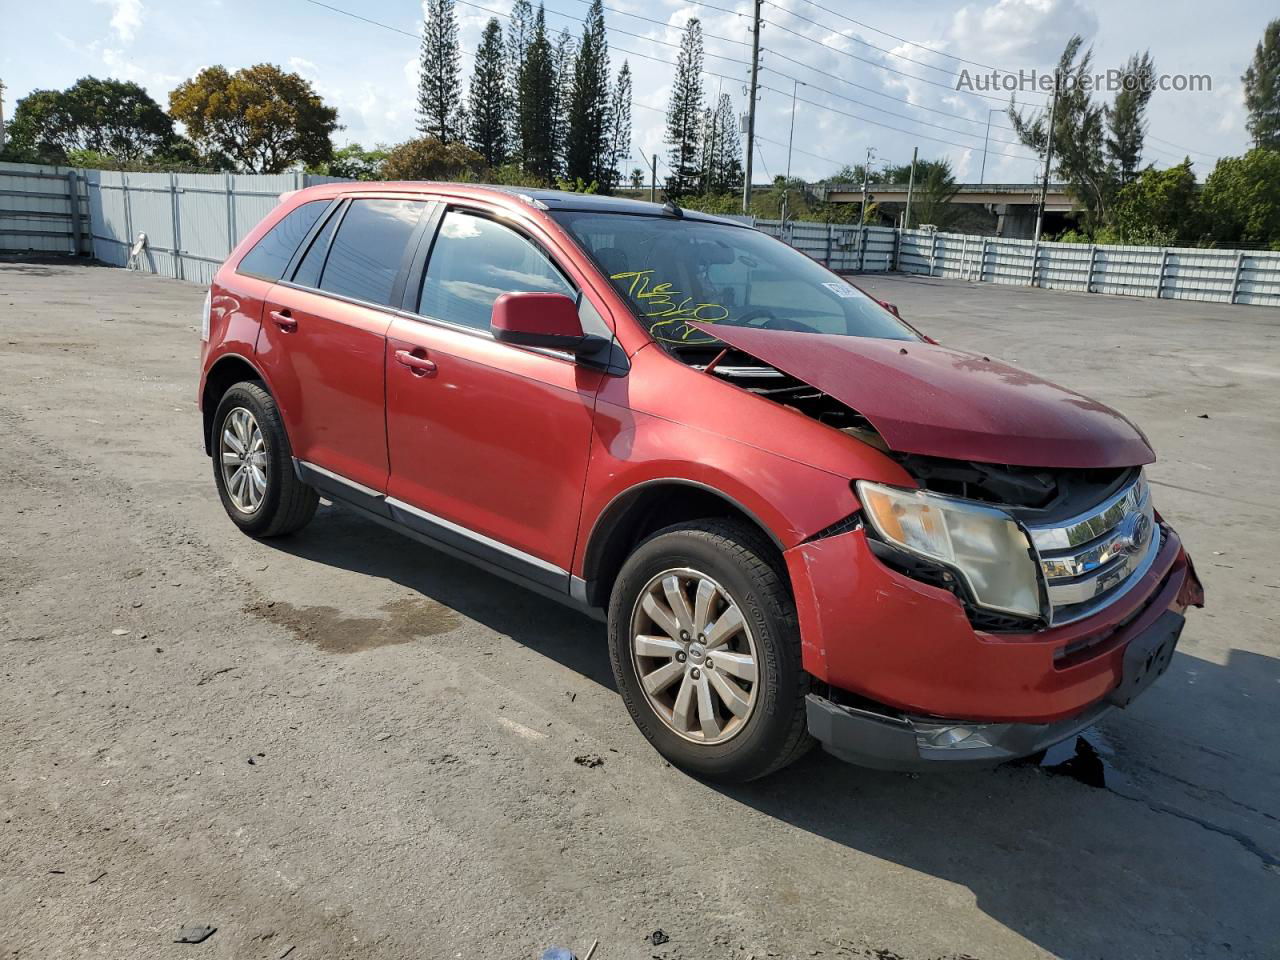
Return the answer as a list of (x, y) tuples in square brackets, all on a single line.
[(644, 508), (230, 368)]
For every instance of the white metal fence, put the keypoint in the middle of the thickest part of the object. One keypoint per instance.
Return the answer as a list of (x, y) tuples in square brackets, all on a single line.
[(191, 220), (43, 209)]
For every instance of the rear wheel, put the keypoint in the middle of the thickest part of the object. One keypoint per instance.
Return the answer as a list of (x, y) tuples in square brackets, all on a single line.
[(706, 650), (253, 465)]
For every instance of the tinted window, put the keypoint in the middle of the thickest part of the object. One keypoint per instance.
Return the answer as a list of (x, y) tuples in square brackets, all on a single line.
[(475, 261), (272, 253), (366, 253), (674, 271), (308, 272)]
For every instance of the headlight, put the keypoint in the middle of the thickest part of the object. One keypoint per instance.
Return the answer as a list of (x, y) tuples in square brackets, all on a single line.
[(981, 544), (204, 316)]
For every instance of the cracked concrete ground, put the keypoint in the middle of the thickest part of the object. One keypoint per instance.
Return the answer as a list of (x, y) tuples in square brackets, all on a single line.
[(348, 745)]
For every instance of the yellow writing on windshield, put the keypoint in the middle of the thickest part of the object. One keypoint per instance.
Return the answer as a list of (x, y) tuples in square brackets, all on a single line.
[(671, 310)]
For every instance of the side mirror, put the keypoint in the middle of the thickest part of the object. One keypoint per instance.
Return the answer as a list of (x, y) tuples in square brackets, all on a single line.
[(547, 320)]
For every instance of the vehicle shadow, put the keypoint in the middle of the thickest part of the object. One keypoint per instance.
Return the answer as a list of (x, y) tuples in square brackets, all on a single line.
[(1175, 855)]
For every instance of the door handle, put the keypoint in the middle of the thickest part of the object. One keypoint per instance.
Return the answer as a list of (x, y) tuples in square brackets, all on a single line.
[(416, 361), (283, 320)]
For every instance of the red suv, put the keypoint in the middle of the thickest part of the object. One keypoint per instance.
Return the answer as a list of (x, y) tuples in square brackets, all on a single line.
[(801, 518)]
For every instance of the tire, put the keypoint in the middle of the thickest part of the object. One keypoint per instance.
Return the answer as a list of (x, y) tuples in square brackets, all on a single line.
[(286, 504), (746, 569)]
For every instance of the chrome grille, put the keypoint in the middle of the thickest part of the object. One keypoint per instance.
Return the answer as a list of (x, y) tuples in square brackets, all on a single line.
[(1093, 559)]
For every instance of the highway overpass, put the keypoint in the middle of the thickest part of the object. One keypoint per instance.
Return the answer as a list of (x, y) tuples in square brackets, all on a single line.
[(1013, 203)]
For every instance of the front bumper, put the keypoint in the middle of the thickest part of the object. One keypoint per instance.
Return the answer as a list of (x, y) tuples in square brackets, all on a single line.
[(908, 648)]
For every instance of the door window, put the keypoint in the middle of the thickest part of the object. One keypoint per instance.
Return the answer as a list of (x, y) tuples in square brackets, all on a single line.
[(308, 272), (366, 253), (272, 253), (474, 261)]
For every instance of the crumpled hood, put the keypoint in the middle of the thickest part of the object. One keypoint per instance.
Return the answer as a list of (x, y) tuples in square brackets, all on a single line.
[(933, 400)]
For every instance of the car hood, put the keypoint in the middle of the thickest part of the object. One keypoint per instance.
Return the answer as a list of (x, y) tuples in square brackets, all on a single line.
[(929, 399)]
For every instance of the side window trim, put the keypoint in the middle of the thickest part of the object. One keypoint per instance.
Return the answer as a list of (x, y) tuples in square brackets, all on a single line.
[(336, 213), (429, 229), (428, 219)]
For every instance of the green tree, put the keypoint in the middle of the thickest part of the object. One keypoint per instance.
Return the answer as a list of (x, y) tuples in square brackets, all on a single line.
[(490, 101), (721, 160), (1157, 208), (684, 114), (113, 118), (537, 102), (519, 35), (1127, 115), (439, 89), (587, 146), (1262, 89), (619, 141), (353, 162), (563, 56), (263, 119), (1241, 199), (936, 188), (427, 158), (1078, 135)]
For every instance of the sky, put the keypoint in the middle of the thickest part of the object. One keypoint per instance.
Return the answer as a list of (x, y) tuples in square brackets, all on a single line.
[(865, 76)]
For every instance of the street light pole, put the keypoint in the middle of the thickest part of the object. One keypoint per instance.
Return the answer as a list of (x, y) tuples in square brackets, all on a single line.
[(1048, 158), (795, 85), (866, 172), (982, 176)]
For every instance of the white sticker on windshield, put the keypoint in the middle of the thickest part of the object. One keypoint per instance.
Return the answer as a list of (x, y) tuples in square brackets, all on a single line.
[(841, 290)]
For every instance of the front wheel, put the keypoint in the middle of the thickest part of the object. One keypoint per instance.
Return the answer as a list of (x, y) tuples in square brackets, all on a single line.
[(706, 651)]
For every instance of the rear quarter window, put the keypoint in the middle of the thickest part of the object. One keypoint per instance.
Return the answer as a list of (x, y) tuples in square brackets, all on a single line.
[(272, 253)]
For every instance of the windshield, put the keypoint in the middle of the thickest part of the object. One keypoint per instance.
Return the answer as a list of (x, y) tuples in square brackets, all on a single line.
[(673, 271)]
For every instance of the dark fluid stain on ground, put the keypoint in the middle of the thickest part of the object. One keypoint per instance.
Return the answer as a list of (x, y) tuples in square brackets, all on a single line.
[(330, 630), (1079, 761)]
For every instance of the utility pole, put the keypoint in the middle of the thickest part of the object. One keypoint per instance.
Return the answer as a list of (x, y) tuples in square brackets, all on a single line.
[(1, 114), (795, 85), (751, 106), (911, 185), (866, 172), (985, 139), (1048, 158), (653, 177)]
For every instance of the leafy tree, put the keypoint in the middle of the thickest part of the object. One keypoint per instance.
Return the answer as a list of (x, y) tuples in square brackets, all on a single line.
[(490, 100), (353, 162), (1157, 207), (536, 103), (1078, 134), (588, 143), (684, 114), (1125, 118), (563, 56), (427, 158), (263, 119), (1241, 199), (511, 175), (1262, 89), (115, 119), (439, 89), (936, 187), (619, 145)]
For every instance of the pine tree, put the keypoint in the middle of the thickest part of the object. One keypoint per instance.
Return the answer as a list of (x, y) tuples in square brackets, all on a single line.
[(1125, 118), (1262, 89), (563, 61), (439, 89), (519, 33), (588, 138), (536, 102), (619, 147), (490, 101), (726, 170), (684, 114)]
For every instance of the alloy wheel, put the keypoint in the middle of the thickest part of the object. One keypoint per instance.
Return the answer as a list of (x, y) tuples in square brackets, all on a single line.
[(695, 656), (242, 452)]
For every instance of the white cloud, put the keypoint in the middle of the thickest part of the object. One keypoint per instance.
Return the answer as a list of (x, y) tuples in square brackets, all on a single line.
[(126, 18), (303, 66), (1019, 33)]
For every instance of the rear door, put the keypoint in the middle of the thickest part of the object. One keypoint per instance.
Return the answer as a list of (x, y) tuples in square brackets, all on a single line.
[(489, 442), (323, 340)]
